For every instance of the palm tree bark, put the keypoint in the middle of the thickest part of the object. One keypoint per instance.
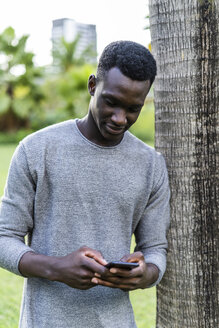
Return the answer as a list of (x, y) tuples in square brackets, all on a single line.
[(185, 43)]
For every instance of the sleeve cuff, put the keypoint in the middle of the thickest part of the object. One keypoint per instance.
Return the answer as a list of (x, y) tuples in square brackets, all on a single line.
[(160, 261), (16, 271), (11, 252)]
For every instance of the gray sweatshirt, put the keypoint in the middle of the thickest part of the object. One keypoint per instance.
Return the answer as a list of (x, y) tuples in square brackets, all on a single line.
[(63, 192)]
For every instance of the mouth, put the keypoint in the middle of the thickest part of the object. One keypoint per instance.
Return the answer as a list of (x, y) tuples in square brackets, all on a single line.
[(112, 129)]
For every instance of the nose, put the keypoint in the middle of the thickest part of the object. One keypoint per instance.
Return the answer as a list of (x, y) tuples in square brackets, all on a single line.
[(119, 117)]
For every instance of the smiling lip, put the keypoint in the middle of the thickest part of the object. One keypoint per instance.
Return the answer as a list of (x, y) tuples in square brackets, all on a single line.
[(114, 129)]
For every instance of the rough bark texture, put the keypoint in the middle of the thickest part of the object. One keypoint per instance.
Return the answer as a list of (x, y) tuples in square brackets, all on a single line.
[(185, 42)]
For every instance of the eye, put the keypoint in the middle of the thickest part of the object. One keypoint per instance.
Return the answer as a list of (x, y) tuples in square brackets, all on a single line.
[(135, 109), (109, 102)]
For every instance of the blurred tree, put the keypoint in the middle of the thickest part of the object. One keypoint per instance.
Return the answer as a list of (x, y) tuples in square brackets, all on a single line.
[(20, 92), (66, 55), (65, 88), (66, 95)]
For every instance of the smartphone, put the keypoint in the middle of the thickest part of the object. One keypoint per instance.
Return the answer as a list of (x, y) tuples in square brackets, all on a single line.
[(122, 265)]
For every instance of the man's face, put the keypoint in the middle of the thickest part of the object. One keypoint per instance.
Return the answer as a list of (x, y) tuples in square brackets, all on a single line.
[(116, 104)]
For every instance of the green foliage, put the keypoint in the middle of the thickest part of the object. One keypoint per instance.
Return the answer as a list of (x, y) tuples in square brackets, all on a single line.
[(65, 54), (13, 137), (34, 97), (144, 126), (66, 96), (4, 100), (147, 27), (17, 73), (6, 152)]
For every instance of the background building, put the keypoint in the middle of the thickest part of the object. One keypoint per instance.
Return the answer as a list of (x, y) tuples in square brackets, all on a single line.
[(70, 29)]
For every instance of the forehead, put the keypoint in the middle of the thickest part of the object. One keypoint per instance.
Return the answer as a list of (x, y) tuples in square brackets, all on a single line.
[(117, 83)]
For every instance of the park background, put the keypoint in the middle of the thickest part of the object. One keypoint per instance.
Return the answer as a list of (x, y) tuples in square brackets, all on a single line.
[(39, 88)]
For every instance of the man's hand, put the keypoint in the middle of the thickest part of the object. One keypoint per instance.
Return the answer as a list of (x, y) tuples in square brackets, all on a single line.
[(78, 268), (75, 269), (140, 277)]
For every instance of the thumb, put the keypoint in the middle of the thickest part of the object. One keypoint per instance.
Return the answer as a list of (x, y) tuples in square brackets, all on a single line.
[(134, 257)]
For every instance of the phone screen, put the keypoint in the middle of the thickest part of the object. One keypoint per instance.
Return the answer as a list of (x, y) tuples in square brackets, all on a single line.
[(122, 265)]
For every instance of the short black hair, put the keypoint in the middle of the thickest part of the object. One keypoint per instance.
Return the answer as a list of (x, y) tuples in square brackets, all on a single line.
[(133, 60)]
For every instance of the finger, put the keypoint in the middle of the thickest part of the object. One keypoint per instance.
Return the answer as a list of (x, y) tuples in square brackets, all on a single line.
[(107, 274), (119, 280), (91, 264), (112, 284), (97, 256), (135, 272)]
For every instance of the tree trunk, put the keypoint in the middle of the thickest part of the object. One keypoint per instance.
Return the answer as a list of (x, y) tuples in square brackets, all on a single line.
[(185, 43)]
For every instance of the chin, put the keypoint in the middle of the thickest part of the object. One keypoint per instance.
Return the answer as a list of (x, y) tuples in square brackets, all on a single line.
[(115, 138)]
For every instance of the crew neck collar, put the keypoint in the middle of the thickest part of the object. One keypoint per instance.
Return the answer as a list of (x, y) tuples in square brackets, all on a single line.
[(94, 144)]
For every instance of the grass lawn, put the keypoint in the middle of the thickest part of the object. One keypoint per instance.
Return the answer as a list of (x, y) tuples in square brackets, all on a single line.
[(6, 151), (10, 299), (143, 301)]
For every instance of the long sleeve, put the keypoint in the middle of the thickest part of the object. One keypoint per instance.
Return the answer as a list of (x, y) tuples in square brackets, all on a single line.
[(16, 212), (151, 231), (64, 192)]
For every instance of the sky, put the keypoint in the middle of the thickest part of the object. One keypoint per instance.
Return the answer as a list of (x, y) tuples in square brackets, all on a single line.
[(114, 20)]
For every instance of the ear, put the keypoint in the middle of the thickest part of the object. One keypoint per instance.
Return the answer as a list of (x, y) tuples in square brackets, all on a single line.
[(92, 84)]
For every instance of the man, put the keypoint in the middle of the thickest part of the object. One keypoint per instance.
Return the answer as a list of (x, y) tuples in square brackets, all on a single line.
[(88, 182)]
